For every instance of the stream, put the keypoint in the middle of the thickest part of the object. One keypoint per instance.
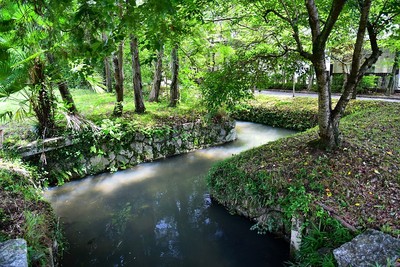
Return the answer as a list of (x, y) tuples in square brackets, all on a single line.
[(160, 214)]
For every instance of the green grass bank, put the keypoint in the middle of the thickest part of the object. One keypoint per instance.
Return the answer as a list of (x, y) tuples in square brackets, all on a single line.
[(336, 193), (25, 214)]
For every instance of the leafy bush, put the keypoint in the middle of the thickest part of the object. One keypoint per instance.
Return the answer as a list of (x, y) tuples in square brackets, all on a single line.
[(227, 86), (297, 114)]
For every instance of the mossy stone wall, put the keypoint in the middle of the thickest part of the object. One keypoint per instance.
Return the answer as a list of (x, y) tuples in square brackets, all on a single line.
[(87, 154)]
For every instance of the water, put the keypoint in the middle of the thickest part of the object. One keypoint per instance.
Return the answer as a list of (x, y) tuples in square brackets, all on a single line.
[(160, 214)]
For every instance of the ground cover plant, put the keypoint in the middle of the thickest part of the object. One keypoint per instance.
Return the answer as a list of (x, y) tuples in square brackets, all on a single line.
[(358, 184), (25, 214)]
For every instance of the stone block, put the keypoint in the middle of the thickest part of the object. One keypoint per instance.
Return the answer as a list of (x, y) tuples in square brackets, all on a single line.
[(14, 253), (372, 248)]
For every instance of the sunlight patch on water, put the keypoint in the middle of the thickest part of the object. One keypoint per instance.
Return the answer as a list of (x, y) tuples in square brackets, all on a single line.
[(105, 183)]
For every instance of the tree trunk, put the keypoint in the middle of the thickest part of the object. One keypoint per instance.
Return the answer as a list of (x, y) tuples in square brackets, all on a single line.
[(393, 82), (155, 89), (107, 74), (67, 97), (62, 87), (174, 89), (119, 80), (137, 76), (43, 104), (384, 83), (329, 119), (310, 80), (357, 70), (329, 135), (345, 77), (107, 68)]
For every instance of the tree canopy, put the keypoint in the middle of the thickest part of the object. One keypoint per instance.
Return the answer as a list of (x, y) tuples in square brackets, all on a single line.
[(229, 47)]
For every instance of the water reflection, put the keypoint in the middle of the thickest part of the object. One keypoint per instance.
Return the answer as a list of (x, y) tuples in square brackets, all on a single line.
[(160, 214)]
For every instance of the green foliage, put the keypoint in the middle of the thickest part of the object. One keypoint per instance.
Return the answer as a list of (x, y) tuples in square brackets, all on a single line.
[(121, 219), (20, 179), (290, 113), (21, 185), (323, 235), (367, 82), (34, 233), (227, 86), (365, 86)]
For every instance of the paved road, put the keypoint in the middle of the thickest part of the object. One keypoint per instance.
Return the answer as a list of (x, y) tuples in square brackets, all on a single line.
[(306, 94)]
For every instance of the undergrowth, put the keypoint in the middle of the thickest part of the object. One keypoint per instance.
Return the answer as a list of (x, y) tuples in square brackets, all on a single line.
[(24, 213), (358, 183)]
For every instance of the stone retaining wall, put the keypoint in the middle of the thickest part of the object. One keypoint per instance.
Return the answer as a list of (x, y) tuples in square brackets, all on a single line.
[(77, 158)]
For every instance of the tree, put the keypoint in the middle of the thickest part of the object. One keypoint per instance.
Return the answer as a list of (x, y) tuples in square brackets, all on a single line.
[(307, 28), (29, 70), (62, 86), (174, 89), (119, 79), (156, 85), (137, 76), (107, 69), (393, 82), (43, 105)]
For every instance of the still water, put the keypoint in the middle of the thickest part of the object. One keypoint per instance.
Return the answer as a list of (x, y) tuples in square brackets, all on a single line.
[(160, 214)]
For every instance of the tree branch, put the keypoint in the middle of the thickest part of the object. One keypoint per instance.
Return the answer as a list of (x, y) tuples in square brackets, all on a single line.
[(189, 57), (376, 52), (224, 19), (333, 213), (313, 19), (276, 13), (336, 9), (296, 35), (358, 71)]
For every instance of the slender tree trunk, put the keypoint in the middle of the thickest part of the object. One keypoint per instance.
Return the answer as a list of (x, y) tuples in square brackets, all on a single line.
[(345, 77), (43, 105), (174, 89), (357, 70), (155, 89), (67, 97), (107, 74), (384, 83), (107, 68), (63, 87), (310, 79), (137, 76), (119, 80), (393, 82)]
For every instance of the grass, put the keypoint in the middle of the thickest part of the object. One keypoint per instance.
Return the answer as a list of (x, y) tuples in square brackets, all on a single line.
[(99, 107), (359, 183)]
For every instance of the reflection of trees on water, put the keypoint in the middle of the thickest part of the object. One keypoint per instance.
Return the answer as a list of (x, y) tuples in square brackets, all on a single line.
[(183, 221), (167, 237), (115, 229)]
